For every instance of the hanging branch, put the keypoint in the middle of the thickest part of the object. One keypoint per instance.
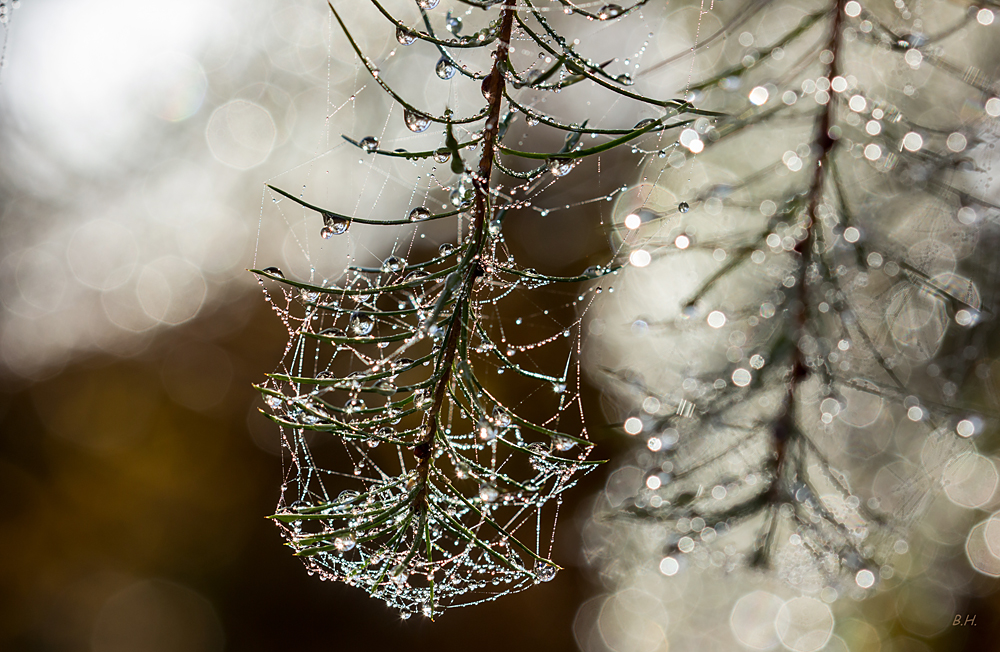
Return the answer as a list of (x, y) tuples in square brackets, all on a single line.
[(747, 446), (434, 496)]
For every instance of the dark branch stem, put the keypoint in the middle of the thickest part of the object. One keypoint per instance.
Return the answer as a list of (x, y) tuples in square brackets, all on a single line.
[(493, 87), (825, 144)]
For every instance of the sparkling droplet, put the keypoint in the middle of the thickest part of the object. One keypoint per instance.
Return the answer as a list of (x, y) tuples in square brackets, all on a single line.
[(427, 4), (447, 249), (347, 495), (559, 388), (362, 324), (562, 443), (442, 155), (683, 207), (416, 122), (501, 417), (334, 224), (453, 23), (405, 36), (488, 493), (486, 431), (544, 571), (624, 80), (608, 12), (273, 271), (369, 144), (560, 167), (393, 264), (444, 69), (418, 214)]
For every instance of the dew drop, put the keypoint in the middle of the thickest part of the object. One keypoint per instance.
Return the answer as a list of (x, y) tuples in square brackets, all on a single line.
[(683, 207), (453, 24), (562, 443), (501, 417), (447, 249), (485, 430), (405, 36), (607, 12), (427, 4), (418, 214), (488, 493), (416, 122), (334, 224), (369, 144), (560, 167), (544, 571), (362, 324), (393, 264), (273, 271), (345, 543), (442, 155), (444, 69)]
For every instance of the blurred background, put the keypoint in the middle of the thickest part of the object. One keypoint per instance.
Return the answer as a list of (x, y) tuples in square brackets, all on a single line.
[(135, 142)]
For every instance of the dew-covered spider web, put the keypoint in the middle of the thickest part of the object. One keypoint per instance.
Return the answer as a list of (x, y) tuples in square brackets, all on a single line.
[(430, 394)]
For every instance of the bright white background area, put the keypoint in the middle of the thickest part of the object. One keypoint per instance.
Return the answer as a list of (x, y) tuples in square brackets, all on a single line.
[(135, 141)]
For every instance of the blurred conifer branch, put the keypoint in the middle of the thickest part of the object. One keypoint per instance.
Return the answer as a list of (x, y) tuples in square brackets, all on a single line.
[(823, 238)]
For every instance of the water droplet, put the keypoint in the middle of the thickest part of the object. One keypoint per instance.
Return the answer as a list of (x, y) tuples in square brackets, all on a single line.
[(447, 249), (393, 264), (385, 387), (427, 610), (273, 271), (362, 324), (416, 122), (369, 144), (683, 207), (354, 405), (427, 4), (442, 155), (560, 167), (530, 120), (624, 80), (453, 24), (607, 12), (344, 543), (545, 571), (488, 493), (405, 36), (273, 402), (444, 69), (347, 495), (501, 417), (559, 388), (486, 431), (562, 443), (418, 214), (334, 224)]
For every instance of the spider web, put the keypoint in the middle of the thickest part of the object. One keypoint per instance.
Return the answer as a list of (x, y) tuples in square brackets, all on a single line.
[(431, 493)]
